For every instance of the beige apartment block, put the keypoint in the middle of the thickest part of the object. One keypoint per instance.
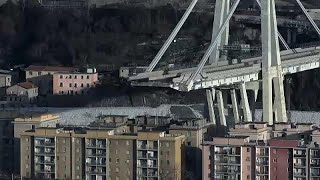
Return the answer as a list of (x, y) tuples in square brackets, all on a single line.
[(82, 153), (12, 123)]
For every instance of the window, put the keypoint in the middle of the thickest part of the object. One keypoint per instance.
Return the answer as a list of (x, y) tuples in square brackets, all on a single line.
[(75, 84), (30, 73), (81, 77), (64, 141), (39, 73), (62, 92), (117, 160), (248, 159), (127, 161), (88, 77), (167, 144), (75, 77), (168, 162), (78, 167), (61, 77), (70, 85), (128, 152), (189, 143), (116, 151), (275, 160), (248, 149), (81, 84), (61, 84), (70, 77), (117, 169), (88, 85), (248, 176), (27, 139)]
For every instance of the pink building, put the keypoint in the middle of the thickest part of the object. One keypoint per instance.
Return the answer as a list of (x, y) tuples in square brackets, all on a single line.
[(74, 83)]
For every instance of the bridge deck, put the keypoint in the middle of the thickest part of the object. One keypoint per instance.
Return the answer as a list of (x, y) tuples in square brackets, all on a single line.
[(214, 76)]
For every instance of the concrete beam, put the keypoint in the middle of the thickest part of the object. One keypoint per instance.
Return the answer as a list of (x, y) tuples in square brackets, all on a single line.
[(235, 107), (210, 100), (223, 121), (245, 103)]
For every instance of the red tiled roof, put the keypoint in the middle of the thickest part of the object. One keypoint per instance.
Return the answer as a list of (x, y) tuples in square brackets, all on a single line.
[(27, 85), (50, 68)]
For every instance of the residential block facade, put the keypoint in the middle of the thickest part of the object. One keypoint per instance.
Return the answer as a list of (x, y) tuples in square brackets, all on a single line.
[(74, 83), (289, 156), (77, 153), (42, 77)]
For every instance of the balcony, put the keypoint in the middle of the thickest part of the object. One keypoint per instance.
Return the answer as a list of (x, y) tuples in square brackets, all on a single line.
[(300, 165), (152, 155), (142, 147), (142, 155), (262, 163), (95, 153), (262, 172), (299, 174), (152, 145), (93, 170), (262, 153)]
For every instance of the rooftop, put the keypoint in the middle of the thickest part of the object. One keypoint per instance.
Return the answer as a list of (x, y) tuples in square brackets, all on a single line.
[(50, 68), (27, 85), (36, 117)]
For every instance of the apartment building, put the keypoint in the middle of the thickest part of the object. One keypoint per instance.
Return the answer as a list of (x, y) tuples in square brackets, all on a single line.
[(22, 93), (84, 153), (195, 131), (289, 156), (12, 123), (42, 77), (74, 83), (227, 158)]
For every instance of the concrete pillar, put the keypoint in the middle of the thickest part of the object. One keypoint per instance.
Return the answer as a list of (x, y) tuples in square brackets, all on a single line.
[(210, 100), (222, 116), (221, 12), (271, 63), (245, 103), (235, 107), (280, 103)]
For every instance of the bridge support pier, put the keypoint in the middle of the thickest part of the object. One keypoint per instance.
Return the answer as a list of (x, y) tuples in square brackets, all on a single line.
[(222, 8), (271, 65), (245, 103), (223, 122), (235, 107), (210, 100)]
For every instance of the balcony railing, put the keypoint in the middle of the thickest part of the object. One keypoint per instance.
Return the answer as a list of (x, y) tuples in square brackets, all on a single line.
[(262, 162), (143, 156), (299, 173)]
